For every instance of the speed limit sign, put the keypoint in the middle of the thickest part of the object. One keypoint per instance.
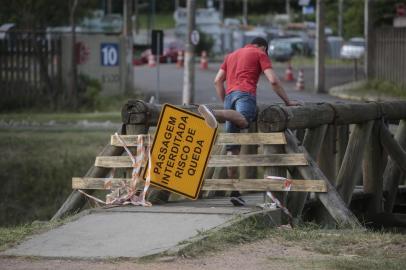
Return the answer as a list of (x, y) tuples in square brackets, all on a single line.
[(194, 37)]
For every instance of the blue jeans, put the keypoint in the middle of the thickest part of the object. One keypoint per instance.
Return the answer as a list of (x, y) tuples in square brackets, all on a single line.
[(244, 103)]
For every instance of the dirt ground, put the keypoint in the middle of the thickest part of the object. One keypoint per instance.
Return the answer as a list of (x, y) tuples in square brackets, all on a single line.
[(265, 254)]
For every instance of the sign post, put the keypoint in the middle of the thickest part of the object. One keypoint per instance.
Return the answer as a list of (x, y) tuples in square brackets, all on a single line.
[(180, 152)]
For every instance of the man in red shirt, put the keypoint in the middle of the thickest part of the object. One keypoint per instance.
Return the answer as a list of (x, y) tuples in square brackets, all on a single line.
[(241, 70)]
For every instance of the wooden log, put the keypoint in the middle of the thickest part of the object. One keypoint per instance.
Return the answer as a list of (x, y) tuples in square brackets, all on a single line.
[(393, 174), (76, 200), (312, 143), (218, 160), (351, 167), (326, 158), (222, 139), (331, 200), (297, 185), (276, 118), (373, 166)]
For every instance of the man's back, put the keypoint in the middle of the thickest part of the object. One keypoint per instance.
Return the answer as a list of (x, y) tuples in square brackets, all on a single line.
[(243, 68)]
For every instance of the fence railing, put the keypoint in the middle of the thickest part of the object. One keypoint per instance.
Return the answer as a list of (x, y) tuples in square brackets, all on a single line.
[(30, 68), (388, 51)]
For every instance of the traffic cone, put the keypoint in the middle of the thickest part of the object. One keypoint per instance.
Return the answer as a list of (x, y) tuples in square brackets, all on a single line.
[(204, 63), (289, 73), (300, 86), (179, 60), (151, 60)]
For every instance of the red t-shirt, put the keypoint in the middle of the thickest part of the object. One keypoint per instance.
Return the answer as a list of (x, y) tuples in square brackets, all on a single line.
[(243, 68)]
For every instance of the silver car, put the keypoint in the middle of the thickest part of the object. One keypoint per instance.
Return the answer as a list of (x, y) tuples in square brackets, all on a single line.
[(353, 49)]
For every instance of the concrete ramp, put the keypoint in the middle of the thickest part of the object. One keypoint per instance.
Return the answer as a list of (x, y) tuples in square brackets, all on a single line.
[(132, 232)]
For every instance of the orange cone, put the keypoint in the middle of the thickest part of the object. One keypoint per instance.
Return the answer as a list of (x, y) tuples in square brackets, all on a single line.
[(151, 60), (289, 73), (204, 63), (179, 60), (300, 81)]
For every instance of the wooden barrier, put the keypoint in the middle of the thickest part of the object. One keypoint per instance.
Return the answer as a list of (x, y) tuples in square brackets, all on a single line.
[(328, 123)]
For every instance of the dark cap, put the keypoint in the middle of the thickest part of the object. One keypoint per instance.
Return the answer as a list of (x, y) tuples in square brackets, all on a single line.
[(260, 42)]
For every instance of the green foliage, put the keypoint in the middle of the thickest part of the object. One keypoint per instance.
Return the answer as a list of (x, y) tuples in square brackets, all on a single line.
[(206, 43), (89, 92), (37, 168), (34, 14)]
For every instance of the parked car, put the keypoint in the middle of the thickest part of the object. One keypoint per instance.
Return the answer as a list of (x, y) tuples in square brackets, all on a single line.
[(170, 54), (280, 50), (353, 49)]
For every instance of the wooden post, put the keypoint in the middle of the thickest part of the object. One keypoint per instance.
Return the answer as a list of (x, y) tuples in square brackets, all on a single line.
[(249, 172), (342, 142), (351, 166), (312, 143), (331, 200), (275, 171), (393, 174), (373, 166), (326, 159)]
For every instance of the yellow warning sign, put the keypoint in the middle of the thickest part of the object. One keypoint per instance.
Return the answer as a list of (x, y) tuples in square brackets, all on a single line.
[(180, 151)]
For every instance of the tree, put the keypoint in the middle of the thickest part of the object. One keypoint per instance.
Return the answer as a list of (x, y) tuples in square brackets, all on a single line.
[(38, 14)]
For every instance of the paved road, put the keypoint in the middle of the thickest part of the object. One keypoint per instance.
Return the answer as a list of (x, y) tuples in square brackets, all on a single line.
[(171, 84)]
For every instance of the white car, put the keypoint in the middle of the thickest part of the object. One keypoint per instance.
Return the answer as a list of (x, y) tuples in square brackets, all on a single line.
[(353, 49)]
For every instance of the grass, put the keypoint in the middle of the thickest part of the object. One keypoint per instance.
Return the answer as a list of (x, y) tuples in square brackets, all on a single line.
[(10, 236), (60, 117), (382, 88), (37, 167), (336, 249)]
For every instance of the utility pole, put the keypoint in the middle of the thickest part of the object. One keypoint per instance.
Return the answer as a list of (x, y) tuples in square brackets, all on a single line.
[(319, 80), (128, 37), (340, 17), (189, 71)]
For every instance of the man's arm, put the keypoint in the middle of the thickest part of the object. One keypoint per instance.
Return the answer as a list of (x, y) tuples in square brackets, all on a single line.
[(219, 84), (277, 87)]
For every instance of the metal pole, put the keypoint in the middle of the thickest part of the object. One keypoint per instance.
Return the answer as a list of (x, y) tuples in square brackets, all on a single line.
[(287, 3), (221, 8), (340, 17), (367, 36), (189, 71), (245, 12), (319, 80), (157, 69), (127, 34)]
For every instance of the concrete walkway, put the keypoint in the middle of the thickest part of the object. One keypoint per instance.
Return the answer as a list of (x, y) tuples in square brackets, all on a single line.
[(133, 232)]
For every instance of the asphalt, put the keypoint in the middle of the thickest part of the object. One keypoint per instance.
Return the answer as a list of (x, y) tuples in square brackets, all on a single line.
[(134, 232)]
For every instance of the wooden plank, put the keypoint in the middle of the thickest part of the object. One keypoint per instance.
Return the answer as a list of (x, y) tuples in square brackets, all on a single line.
[(251, 138), (212, 184), (129, 140), (219, 160), (222, 139), (331, 200)]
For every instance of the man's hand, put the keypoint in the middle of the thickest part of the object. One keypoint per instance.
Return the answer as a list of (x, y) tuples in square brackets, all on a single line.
[(294, 103)]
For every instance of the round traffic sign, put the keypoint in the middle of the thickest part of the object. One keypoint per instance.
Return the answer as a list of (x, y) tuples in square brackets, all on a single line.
[(194, 37)]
